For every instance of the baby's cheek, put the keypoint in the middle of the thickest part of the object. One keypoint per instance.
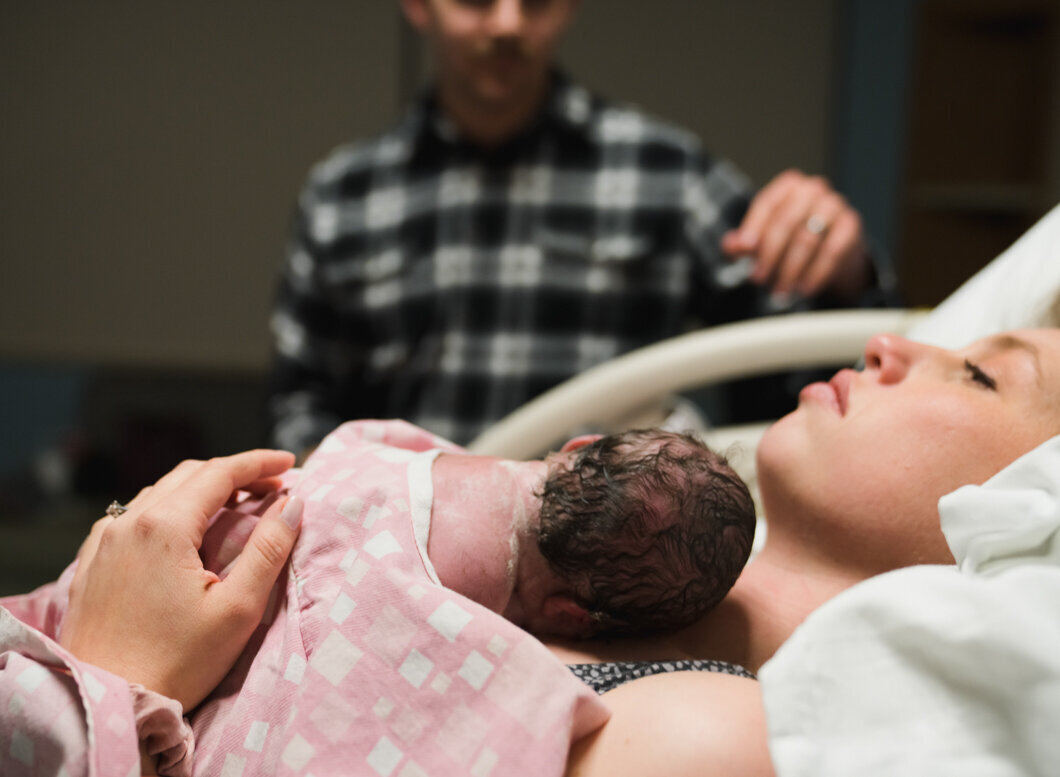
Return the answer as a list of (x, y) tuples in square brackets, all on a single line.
[(513, 609)]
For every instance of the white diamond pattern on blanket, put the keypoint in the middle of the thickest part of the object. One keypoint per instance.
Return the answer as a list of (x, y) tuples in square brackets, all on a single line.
[(348, 559), (233, 766), (383, 707), (412, 769), (416, 668), (374, 514), (342, 608), (118, 724), (335, 657), (449, 620), (476, 670), (484, 764), (95, 688), (321, 492), (385, 757), (382, 544), (355, 574), (31, 677), (255, 740), (441, 682), (295, 669), (298, 752), (417, 591)]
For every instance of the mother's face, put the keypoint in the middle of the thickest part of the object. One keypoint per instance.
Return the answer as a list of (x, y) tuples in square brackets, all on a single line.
[(876, 449)]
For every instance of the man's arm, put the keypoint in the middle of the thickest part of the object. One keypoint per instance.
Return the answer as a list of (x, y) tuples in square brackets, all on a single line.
[(680, 723)]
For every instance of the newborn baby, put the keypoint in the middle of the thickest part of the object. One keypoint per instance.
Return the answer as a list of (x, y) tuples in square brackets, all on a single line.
[(634, 532)]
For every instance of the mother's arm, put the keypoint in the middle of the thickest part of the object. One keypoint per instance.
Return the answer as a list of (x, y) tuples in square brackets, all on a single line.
[(143, 607), (681, 723)]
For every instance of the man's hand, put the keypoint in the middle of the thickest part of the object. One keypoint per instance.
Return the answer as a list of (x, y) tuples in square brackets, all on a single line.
[(805, 238)]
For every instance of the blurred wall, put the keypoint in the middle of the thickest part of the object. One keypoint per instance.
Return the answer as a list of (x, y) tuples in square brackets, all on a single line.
[(149, 158)]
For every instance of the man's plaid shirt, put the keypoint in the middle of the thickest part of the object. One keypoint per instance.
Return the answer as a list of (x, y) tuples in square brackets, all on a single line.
[(433, 281)]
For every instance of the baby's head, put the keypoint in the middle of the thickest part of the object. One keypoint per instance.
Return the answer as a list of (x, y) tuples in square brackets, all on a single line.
[(649, 529)]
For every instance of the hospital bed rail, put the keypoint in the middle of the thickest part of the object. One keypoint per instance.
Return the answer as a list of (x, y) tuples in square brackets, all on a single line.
[(623, 387)]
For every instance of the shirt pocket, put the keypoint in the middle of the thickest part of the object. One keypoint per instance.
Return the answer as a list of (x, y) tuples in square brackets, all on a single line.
[(617, 247), (606, 263)]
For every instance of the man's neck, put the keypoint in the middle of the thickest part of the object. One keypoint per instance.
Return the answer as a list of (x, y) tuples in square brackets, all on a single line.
[(487, 125)]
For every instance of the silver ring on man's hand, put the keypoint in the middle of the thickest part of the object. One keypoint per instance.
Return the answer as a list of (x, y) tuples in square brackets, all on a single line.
[(116, 508), (816, 225)]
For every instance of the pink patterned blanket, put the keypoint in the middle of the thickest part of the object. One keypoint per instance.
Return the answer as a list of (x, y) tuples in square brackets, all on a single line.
[(363, 664)]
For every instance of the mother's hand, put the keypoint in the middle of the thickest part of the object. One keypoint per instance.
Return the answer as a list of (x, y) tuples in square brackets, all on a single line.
[(141, 604)]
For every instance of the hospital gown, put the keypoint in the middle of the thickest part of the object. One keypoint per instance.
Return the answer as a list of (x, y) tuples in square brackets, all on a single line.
[(363, 663)]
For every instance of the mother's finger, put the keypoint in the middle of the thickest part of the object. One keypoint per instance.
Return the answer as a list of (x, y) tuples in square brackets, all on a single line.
[(86, 553), (195, 490), (246, 588), (214, 481)]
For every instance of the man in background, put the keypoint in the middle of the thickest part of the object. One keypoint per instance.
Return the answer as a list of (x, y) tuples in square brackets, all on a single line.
[(514, 229)]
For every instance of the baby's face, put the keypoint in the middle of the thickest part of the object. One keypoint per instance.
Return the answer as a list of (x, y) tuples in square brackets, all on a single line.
[(540, 600)]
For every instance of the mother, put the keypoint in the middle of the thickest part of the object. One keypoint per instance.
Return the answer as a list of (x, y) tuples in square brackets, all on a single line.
[(850, 482)]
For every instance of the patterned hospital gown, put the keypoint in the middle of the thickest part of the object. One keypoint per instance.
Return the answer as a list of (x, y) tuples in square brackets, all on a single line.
[(363, 664)]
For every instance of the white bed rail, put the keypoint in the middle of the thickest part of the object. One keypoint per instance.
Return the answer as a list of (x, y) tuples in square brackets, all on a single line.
[(621, 387)]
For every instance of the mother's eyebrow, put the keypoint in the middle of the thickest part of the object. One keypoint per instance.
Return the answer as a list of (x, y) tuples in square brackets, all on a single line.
[(1014, 343)]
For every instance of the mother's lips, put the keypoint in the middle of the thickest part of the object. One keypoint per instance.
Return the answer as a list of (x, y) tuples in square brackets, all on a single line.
[(840, 383)]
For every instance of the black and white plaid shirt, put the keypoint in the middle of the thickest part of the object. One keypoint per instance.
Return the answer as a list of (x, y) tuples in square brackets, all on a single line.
[(433, 281)]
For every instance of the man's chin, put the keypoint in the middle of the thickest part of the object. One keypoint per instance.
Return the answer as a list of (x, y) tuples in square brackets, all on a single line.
[(507, 88)]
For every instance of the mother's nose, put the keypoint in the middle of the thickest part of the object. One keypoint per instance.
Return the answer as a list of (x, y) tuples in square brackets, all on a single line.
[(889, 356)]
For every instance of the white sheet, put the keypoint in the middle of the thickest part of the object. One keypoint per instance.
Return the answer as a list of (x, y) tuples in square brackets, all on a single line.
[(937, 670)]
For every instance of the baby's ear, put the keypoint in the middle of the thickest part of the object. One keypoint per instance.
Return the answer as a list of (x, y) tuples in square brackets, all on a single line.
[(565, 617), (577, 442)]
